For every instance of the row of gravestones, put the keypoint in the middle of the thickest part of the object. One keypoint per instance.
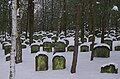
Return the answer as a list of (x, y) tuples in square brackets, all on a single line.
[(47, 46), (58, 47), (99, 51), (59, 63), (41, 62)]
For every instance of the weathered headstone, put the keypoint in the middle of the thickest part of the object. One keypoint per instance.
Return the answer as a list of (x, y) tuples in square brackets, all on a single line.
[(35, 48), (41, 62), (70, 48), (101, 50), (84, 48), (59, 62), (47, 46), (117, 48), (110, 68), (59, 47)]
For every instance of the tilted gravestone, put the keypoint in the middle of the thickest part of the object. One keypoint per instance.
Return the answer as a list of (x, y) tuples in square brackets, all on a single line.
[(109, 69), (67, 42), (41, 62), (59, 62)]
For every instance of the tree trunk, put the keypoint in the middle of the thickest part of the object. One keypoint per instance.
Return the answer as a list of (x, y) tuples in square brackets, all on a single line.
[(18, 41), (64, 17), (13, 50), (93, 24), (60, 16), (31, 20), (75, 54), (52, 15), (43, 15), (82, 21)]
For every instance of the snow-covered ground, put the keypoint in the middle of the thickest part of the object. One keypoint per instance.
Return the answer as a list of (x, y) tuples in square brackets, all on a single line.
[(86, 69)]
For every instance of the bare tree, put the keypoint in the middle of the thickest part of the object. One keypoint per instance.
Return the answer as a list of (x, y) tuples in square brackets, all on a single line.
[(75, 54), (31, 19), (13, 50), (18, 41)]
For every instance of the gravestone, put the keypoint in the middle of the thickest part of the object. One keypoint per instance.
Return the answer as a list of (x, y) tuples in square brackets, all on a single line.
[(55, 38), (109, 42), (24, 45), (101, 50), (109, 69), (40, 37), (84, 48), (3, 44), (7, 48), (47, 46), (117, 48), (35, 36), (90, 38), (35, 48), (67, 42), (70, 48), (59, 47), (59, 62), (7, 57), (41, 62), (118, 38)]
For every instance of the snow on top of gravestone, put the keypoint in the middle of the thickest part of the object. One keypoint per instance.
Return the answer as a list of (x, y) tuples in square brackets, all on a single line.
[(24, 44), (118, 36), (97, 2), (18, 12), (108, 39), (42, 32), (86, 44), (58, 54), (102, 44), (54, 35), (7, 55), (23, 32), (116, 65), (50, 34), (115, 8), (47, 40), (90, 35), (8, 44), (42, 52), (5, 42), (62, 32), (23, 38), (9, 2), (35, 34), (36, 43), (61, 40)]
